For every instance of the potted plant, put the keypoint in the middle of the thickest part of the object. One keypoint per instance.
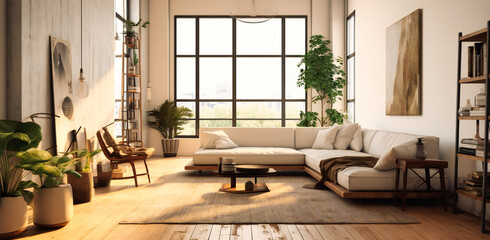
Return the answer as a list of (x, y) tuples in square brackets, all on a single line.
[(168, 120), (136, 62), (323, 72), (53, 201), (14, 137), (83, 187), (130, 29)]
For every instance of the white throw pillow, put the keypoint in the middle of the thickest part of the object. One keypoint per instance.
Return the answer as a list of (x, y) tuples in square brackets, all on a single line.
[(403, 151), (215, 139), (325, 138), (356, 143), (344, 135)]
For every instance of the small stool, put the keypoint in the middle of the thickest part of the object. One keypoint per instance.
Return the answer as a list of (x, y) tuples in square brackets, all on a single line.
[(427, 164)]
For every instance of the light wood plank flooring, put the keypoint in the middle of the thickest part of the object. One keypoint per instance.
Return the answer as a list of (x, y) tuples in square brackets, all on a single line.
[(100, 219)]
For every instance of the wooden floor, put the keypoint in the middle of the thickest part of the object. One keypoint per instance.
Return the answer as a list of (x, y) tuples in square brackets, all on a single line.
[(100, 219)]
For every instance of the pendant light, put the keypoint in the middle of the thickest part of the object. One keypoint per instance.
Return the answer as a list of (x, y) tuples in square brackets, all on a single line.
[(83, 85), (253, 13)]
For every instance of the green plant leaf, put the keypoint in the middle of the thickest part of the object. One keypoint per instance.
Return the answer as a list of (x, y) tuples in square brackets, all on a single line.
[(28, 196), (50, 171), (34, 156), (74, 173)]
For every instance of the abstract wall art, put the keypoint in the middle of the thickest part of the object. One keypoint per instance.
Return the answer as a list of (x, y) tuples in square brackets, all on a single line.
[(404, 65)]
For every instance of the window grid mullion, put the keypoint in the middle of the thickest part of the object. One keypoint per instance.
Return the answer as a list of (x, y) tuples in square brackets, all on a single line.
[(234, 77), (198, 104), (283, 72)]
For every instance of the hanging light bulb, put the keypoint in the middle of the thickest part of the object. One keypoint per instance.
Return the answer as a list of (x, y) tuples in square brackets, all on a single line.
[(83, 86)]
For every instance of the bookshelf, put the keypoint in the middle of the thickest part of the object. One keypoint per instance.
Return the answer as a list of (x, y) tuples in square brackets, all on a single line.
[(480, 36), (132, 115)]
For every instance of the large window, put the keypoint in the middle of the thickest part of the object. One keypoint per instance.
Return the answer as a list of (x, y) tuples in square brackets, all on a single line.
[(351, 66), (120, 10), (238, 74)]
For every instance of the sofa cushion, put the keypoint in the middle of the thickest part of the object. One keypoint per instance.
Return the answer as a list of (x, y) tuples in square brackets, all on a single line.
[(384, 141), (304, 137), (356, 143), (388, 160), (370, 179), (215, 139), (325, 138), (251, 155), (367, 138), (313, 157), (344, 135), (258, 137)]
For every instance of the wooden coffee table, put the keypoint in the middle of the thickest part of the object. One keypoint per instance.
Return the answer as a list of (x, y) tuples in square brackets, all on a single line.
[(233, 188)]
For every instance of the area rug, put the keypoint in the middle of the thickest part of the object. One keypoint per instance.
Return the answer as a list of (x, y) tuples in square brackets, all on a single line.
[(194, 198)]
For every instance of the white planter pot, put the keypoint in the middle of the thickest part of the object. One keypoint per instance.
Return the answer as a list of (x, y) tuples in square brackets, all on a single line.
[(53, 207), (13, 216)]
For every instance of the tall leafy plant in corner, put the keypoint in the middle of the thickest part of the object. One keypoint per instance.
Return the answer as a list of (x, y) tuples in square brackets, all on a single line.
[(15, 137), (168, 119), (323, 72)]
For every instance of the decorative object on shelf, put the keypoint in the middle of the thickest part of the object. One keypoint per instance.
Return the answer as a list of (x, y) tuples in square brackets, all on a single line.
[(168, 120), (480, 98), (15, 137), (83, 86), (253, 16), (330, 71), (53, 201), (465, 111), (403, 66), (477, 131), (420, 154), (130, 33), (136, 62)]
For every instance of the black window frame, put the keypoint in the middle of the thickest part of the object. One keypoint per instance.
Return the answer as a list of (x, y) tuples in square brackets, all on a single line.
[(350, 99), (234, 57)]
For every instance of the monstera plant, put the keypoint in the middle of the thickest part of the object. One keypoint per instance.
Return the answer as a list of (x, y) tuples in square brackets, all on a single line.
[(15, 136)]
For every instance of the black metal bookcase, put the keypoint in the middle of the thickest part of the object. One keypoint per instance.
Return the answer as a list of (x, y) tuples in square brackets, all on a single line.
[(482, 35)]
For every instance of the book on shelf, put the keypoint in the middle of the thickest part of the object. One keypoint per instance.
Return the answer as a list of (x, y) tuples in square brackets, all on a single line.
[(473, 193), (474, 188), (479, 153), (471, 146), (467, 151), (479, 174), (472, 182), (472, 141), (478, 109), (470, 61)]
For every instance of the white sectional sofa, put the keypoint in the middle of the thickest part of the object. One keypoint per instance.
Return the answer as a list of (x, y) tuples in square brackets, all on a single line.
[(291, 148)]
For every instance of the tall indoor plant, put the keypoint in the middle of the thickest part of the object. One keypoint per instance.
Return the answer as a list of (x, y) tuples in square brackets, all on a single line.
[(130, 29), (168, 120), (53, 201), (323, 72), (14, 137), (83, 188)]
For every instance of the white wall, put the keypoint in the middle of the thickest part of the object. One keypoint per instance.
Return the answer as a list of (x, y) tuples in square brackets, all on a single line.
[(442, 20), (31, 23), (161, 40), (3, 59)]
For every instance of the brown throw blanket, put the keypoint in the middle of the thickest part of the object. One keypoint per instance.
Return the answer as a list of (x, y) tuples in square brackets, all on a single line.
[(330, 167)]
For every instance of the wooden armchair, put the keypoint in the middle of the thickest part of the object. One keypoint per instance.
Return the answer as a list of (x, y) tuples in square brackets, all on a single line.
[(139, 154)]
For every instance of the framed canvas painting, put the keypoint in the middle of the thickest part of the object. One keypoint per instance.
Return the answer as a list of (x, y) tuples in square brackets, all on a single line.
[(403, 65)]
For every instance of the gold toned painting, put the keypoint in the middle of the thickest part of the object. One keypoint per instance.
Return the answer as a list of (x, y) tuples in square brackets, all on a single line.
[(403, 65)]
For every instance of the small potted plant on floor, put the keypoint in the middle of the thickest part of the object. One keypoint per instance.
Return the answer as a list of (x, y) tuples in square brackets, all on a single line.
[(53, 201), (14, 137), (130, 33), (168, 120), (83, 187)]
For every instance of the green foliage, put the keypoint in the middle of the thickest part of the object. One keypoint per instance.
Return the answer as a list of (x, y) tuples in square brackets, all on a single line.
[(50, 169), (324, 73), (135, 57), (16, 136), (335, 116), (84, 159), (130, 27), (168, 119), (308, 119)]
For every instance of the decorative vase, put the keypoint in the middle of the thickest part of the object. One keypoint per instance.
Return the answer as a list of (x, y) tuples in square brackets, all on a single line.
[(83, 188), (13, 216), (170, 147), (53, 207), (420, 154)]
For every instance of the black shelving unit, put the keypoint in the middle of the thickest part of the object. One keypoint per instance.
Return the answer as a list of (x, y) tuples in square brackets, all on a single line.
[(482, 35)]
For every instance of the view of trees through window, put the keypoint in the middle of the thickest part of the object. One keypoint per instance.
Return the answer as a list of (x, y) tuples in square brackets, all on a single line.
[(233, 73)]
